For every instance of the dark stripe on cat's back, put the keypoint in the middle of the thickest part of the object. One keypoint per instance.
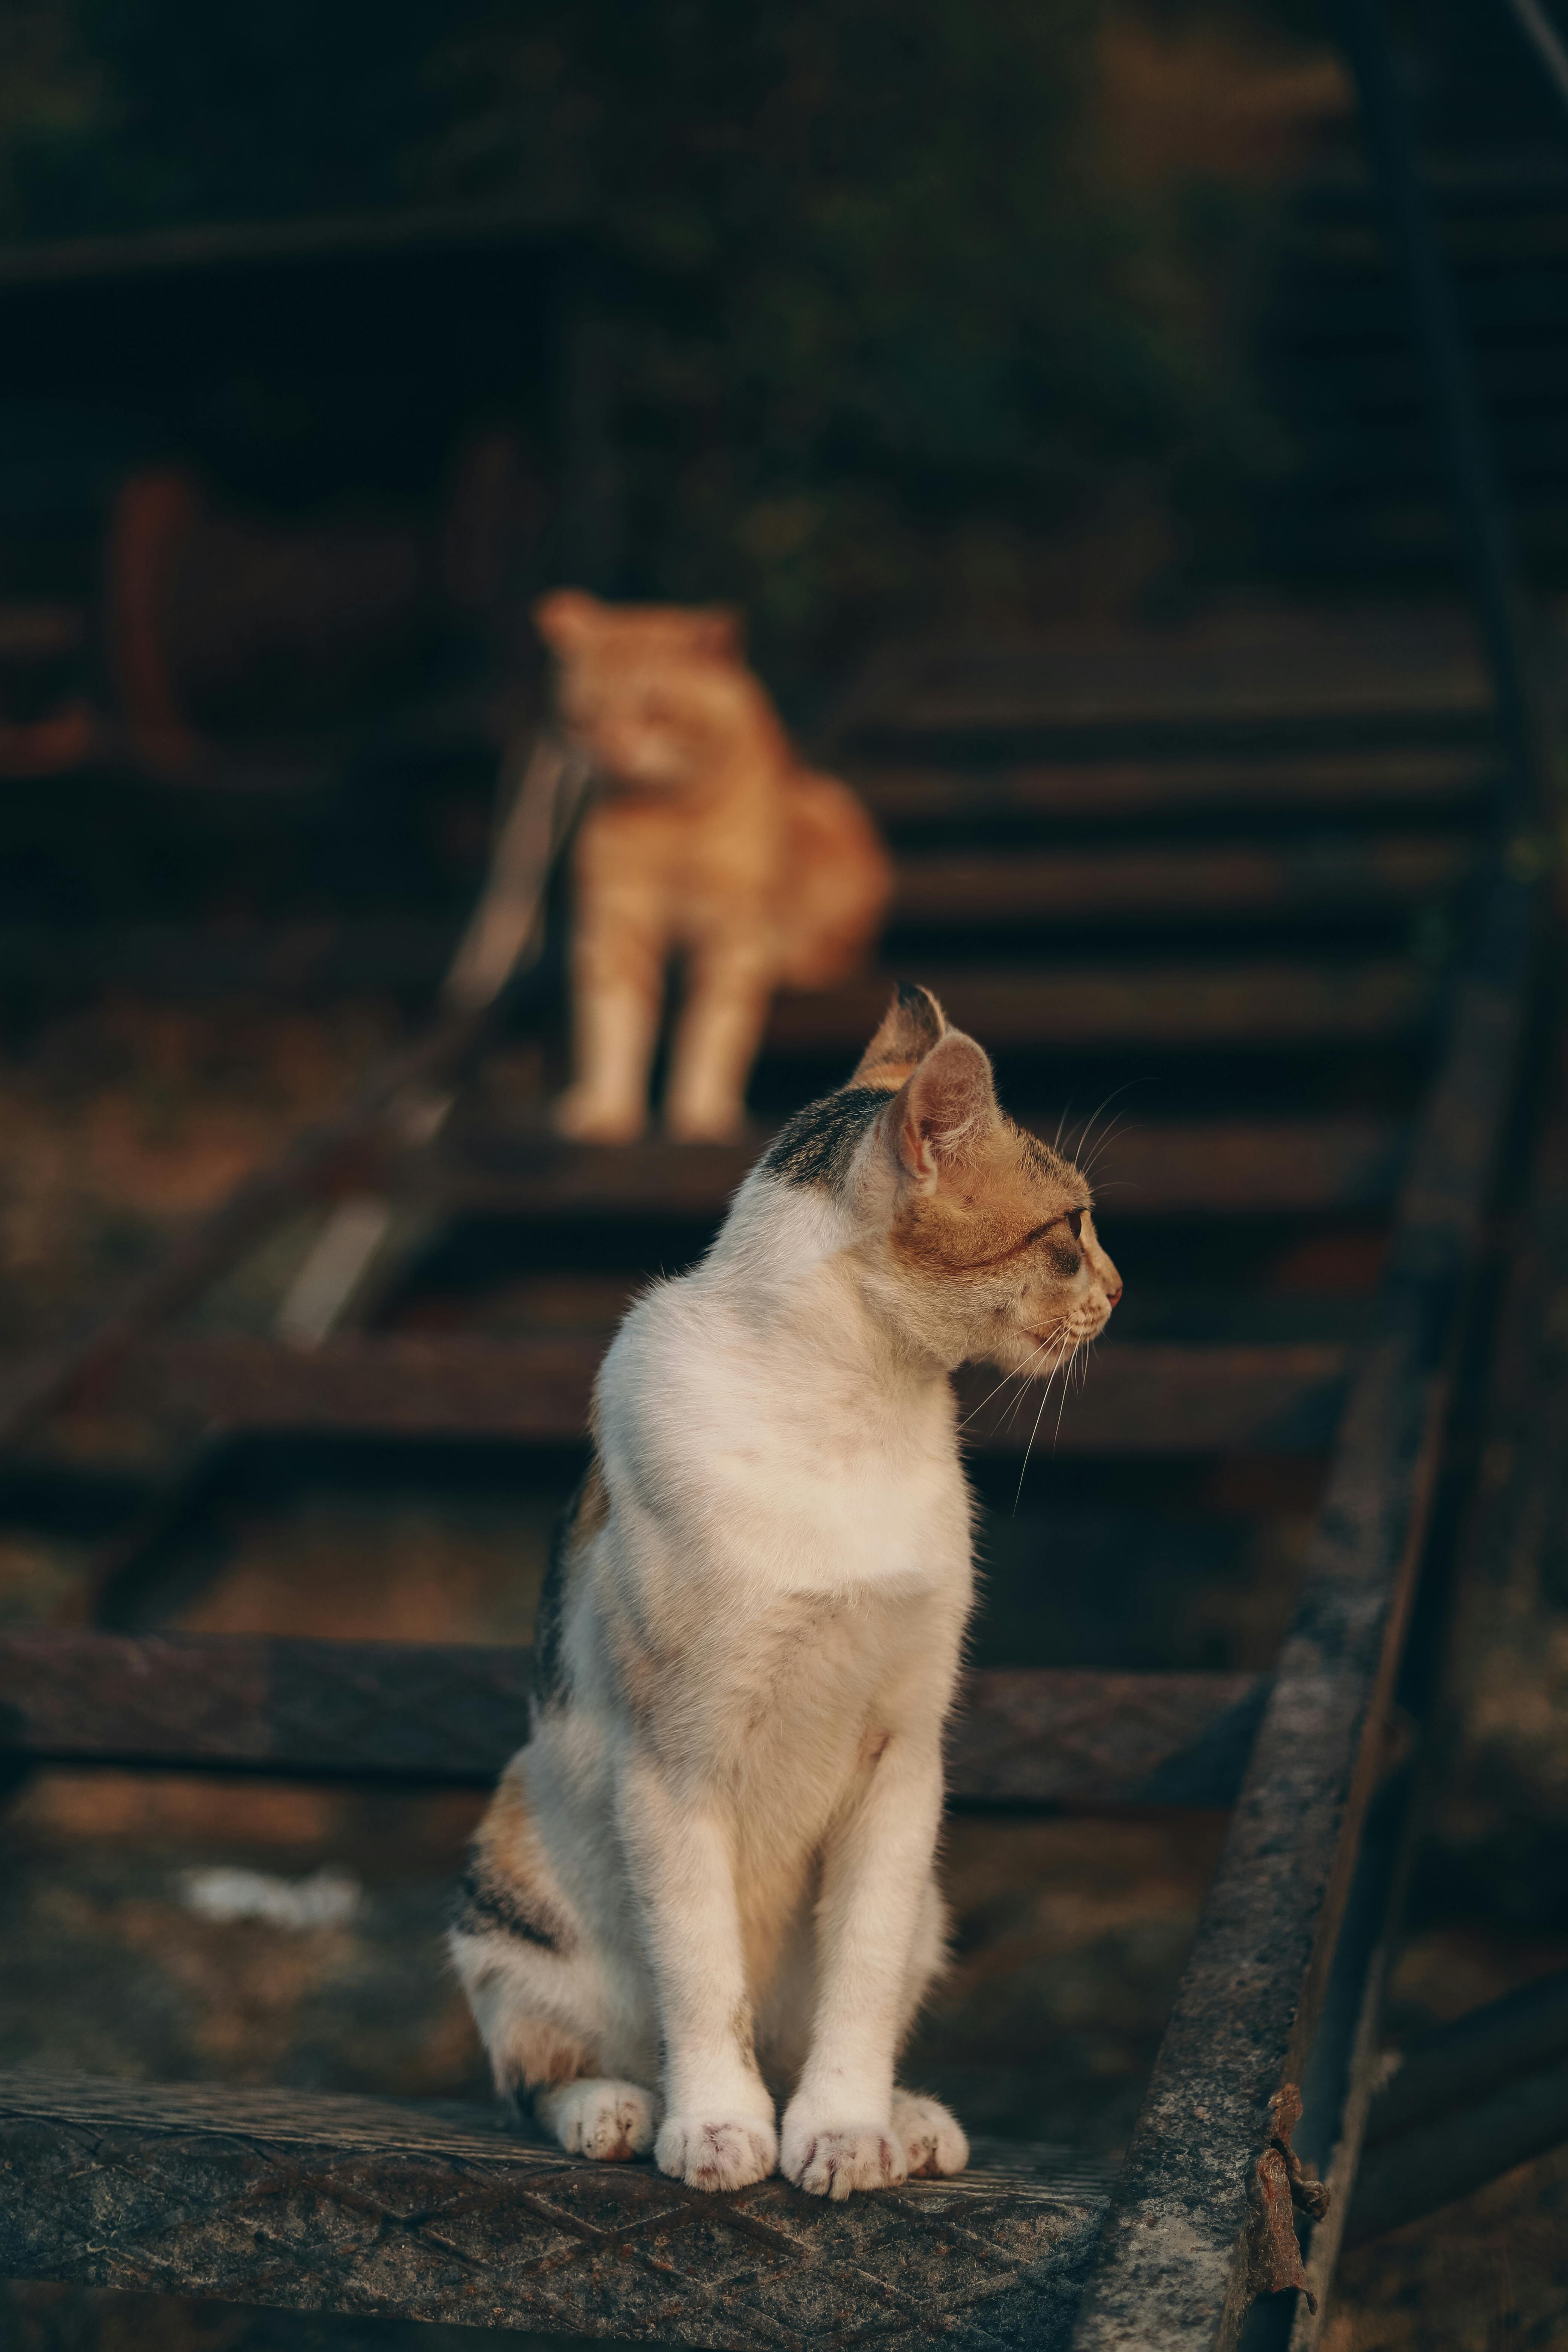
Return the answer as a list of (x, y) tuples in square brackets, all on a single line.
[(819, 1142)]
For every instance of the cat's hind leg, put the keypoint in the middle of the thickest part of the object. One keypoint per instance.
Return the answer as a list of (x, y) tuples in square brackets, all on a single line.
[(932, 2139), (592, 2117), (560, 2028)]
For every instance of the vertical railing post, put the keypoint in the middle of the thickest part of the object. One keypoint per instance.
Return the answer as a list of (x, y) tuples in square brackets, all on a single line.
[(1480, 511)]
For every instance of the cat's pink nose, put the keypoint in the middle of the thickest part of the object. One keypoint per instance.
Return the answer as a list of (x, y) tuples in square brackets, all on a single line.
[(1113, 1295)]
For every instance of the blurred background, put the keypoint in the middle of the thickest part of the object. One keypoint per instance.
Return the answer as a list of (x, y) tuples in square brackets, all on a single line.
[(1066, 332)]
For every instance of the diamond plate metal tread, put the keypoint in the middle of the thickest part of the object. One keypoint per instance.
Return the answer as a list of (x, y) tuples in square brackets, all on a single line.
[(366, 2206)]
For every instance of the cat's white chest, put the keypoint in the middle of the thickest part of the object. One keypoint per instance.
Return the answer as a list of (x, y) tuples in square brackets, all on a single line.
[(788, 1482), (825, 1504), (860, 1525)]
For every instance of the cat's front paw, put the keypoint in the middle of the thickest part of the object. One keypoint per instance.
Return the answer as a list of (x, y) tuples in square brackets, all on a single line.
[(730, 2154), (933, 2140), (610, 2122), (833, 2159)]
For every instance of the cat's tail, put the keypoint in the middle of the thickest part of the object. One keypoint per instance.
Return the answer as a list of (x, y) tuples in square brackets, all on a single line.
[(840, 885)]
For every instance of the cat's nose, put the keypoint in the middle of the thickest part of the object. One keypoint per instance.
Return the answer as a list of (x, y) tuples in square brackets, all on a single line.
[(1113, 1292)]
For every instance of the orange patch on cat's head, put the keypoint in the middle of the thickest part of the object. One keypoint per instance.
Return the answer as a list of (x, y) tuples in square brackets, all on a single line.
[(990, 1239)]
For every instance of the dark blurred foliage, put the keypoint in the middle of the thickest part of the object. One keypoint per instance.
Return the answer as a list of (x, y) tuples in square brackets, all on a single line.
[(908, 317)]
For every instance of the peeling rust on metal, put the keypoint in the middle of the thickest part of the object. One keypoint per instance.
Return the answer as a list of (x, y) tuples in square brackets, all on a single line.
[(1279, 2188)]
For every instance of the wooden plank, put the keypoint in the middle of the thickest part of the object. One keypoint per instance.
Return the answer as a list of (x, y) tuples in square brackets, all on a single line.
[(1455, 2065), (401, 955), (1171, 2270), (322, 2203), (1470, 2101), (455, 1711), (1160, 1168), (1148, 1399), (1517, 2119), (55, 1376), (902, 787), (1236, 879), (1047, 1735), (1068, 1010), (405, 1095), (1248, 1166), (1233, 669), (405, 954)]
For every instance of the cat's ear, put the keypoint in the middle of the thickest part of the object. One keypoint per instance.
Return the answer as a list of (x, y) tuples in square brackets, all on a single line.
[(567, 618), (944, 1111), (719, 632), (910, 1027)]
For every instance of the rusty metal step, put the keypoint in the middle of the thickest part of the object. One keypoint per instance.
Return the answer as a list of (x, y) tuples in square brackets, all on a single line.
[(320, 2201)]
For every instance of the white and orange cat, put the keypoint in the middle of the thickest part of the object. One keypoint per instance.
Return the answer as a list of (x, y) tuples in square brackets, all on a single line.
[(707, 844), (708, 1878)]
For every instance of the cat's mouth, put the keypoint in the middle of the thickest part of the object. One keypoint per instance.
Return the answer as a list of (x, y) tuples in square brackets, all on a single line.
[(1065, 1336)]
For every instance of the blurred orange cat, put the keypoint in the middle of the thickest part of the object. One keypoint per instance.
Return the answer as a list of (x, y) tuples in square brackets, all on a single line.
[(705, 842)]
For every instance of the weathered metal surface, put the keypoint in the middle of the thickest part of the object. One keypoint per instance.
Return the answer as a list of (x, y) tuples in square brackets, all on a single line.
[(1158, 1168), (1169, 2274), (1138, 1397), (1068, 1009), (352, 2205), (1239, 878), (455, 1711), (902, 787)]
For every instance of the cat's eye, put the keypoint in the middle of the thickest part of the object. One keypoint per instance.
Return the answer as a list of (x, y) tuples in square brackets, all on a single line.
[(1075, 1223)]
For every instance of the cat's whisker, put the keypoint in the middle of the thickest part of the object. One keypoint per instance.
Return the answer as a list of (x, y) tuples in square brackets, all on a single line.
[(1061, 1363), (1117, 1127), (1055, 1434), (1022, 1373), (1055, 1341), (1083, 1144), (1030, 1447)]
